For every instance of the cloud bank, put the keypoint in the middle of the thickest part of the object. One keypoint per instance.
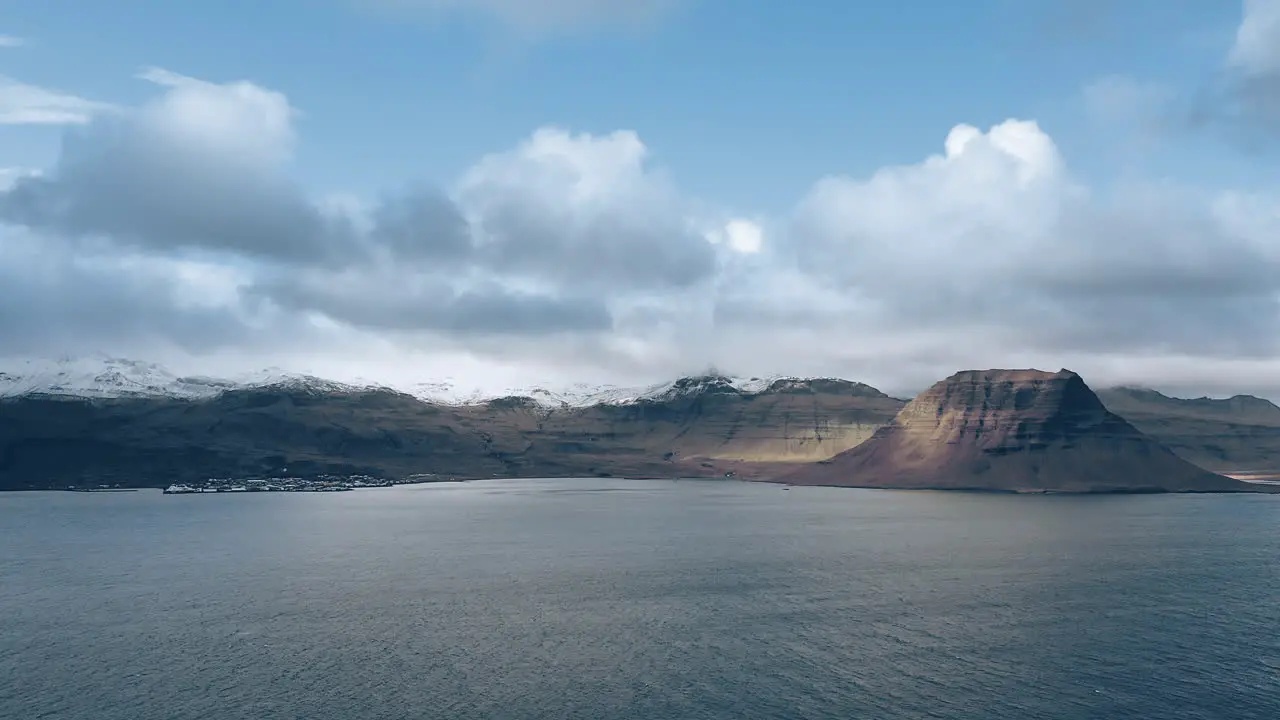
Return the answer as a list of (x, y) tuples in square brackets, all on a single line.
[(173, 230)]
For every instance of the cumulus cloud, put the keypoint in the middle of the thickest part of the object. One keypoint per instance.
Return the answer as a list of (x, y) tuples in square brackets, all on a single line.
[(543, 16), (197, 168), (583, 210), (548, 238), (991, 250), (175, 224)]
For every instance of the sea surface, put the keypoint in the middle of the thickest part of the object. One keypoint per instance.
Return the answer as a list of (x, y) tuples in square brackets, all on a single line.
[(612, 599)]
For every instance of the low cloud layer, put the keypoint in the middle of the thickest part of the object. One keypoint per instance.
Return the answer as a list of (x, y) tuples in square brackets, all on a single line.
[(174, 229)]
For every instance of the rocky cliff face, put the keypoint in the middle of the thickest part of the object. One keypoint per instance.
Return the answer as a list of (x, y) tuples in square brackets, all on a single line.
[(791, 421), (1013, 430)]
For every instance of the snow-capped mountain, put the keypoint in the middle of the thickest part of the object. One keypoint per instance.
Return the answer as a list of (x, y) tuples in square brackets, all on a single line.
[(109, 377), (586, 395), (99, 377)]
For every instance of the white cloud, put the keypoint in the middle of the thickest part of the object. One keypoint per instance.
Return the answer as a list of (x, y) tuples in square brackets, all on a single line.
[(740, 235), (237, 121), (9, 176), (1256, 50), (983, 202), (992, 251), (574, 256), (11, 41), (23, 104), (583, 210)]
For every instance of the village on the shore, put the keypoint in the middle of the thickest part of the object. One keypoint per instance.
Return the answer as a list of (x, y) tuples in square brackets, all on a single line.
[(320, 483)]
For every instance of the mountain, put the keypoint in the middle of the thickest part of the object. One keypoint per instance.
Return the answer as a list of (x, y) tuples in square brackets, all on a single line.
[(137, 425), (102, 376), (103, 419), (1013, 430), (722, 425), (1238, 435)]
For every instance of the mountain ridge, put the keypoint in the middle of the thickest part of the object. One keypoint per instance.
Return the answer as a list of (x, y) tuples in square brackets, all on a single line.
[(104, 376), (128, 426), (707, 425)]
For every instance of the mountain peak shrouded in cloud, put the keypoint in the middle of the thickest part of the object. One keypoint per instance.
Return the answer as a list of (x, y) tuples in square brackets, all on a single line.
[(185, 225)]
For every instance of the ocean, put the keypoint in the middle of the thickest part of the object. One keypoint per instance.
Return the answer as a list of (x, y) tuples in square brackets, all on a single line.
[(613, 599)]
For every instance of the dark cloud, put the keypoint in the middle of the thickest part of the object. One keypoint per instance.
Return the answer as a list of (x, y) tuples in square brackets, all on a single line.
[(422, 225), (202, 169), (1242, 99), (1244, 109), (56, 299), (127, 187), (607, 250), (404, 304)]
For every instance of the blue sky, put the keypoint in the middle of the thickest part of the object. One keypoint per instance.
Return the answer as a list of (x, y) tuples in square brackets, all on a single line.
[(623, 191), (746, 103)]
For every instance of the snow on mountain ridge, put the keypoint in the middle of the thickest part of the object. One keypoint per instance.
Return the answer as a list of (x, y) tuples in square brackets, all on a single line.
[(110, 377), (101, 378), (584, 395)]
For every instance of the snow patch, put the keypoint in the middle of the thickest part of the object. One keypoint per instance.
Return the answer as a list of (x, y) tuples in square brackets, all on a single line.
[(102, 376)]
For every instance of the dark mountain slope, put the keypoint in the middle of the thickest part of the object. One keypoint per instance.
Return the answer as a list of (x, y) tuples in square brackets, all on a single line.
[(702, 426), (1240, 434)]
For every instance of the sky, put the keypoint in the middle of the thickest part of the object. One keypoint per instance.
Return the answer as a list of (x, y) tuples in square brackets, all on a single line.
[(513, 192)]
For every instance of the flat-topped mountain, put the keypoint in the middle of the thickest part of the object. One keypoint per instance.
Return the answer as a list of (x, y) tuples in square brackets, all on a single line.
[(1013, 430)]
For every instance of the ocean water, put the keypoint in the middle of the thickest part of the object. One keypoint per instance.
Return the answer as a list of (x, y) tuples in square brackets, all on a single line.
[(602, 599)]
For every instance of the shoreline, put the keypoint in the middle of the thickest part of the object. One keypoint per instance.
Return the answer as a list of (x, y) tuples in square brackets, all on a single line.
[(1265, 483)]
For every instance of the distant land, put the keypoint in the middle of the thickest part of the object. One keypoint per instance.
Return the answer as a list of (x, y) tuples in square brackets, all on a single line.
[(1014, 431), (131, 424)]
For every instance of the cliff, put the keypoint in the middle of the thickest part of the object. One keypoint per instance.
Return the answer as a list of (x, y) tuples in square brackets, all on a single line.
[(1013, 430)]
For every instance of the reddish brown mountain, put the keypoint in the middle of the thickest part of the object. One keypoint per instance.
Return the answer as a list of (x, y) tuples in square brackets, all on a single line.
[(1013, 430)]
